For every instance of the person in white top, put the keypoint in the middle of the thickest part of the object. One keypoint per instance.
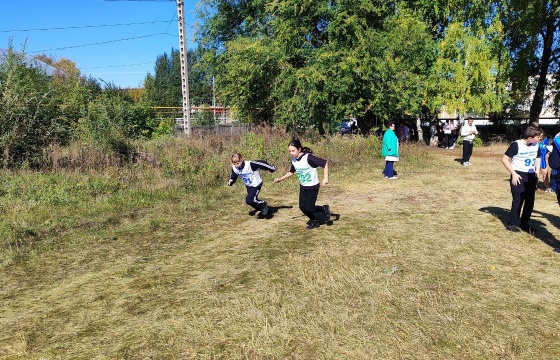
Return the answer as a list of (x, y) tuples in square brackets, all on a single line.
[(304, 165), (468, 132), (522, 161), (448, 133), (248, 171)]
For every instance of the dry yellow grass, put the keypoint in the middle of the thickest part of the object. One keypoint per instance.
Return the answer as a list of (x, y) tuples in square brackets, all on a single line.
[(418, 268)]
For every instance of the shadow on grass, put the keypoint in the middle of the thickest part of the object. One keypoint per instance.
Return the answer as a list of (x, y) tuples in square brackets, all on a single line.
[(541, 232), (334, 217), (271, 211)]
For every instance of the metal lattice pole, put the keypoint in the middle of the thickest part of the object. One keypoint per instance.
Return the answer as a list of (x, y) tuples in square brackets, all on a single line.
[(184, 69)]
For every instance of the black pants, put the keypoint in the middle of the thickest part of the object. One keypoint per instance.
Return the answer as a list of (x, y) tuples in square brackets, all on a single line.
[(555, 183), (467, 150), (307, 200), (252, 198), (523, 196), (449, 140)]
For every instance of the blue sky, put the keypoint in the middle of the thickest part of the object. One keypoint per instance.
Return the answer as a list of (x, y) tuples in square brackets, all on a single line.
[(116, 41)]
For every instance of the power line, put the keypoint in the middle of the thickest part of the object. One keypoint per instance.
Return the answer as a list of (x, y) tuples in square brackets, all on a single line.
[(98, 43), (170, 22), (83, 27), (115, 66)]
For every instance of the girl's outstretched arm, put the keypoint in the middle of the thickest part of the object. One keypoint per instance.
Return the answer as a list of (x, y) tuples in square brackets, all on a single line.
[(287, 175)]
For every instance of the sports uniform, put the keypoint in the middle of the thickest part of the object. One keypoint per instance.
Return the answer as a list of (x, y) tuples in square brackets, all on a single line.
[(523, 159), (305, 167), (249, 173)]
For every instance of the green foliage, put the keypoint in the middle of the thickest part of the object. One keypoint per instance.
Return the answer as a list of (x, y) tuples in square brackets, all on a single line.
[(28, 108), (532, 30), (400, 67), (466, 77), (248, 69), (203, 118), (163, 128), (164, 88), (252, 146), (477, 142), (194, 167), (113, 121), (319, 61)]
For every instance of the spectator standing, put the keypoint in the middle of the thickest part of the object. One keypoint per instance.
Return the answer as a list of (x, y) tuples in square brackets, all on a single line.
[(448, 134), (521, 159), (433, 134), (468, 132), (554, 163), (406, 132), (399, 132), (390, 150)]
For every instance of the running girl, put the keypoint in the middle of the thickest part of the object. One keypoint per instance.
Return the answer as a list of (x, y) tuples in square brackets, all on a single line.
[(304, 165), (249, 172)]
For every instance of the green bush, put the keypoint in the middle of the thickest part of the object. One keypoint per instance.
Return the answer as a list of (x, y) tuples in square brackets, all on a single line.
[(476, 143), (27, 106)]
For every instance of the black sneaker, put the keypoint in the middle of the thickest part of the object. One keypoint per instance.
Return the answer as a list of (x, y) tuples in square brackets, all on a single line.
[(513, 228), (327, 210), (313, 224), (264, 209)]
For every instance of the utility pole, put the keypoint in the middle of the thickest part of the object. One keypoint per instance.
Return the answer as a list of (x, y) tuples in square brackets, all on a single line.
[(214, 99), (184, 69)]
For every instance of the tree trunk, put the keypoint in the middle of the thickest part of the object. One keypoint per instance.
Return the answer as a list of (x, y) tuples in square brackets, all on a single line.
[(538, 98)]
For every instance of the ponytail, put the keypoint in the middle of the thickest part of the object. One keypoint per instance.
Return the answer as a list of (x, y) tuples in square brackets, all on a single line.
[(297, 144)]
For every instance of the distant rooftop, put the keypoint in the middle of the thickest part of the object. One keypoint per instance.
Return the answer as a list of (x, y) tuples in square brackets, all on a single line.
[(30, 60)]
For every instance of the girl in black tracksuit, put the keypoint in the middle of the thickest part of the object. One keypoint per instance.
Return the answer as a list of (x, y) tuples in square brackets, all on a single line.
[(248, 170), (304, 165)]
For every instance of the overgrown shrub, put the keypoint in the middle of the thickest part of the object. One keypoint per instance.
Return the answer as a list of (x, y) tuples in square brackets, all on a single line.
[(27, 106)]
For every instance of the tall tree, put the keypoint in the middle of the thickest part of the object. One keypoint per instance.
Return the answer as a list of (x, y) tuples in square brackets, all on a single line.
[(467, 76), (164, 88), (533, 39), (315, 62)]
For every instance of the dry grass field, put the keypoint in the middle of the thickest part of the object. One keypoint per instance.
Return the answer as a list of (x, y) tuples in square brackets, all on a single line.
[(417, 268)]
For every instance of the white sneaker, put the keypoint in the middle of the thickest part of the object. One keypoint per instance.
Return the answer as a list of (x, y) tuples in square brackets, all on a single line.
[(392, 178), (451, 148)]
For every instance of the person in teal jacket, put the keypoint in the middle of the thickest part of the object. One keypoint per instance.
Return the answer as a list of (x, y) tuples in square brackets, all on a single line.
[(390, 150)]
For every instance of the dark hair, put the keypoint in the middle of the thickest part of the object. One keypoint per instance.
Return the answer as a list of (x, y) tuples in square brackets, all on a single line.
[(297, 144), (531, 131), (388, 123)]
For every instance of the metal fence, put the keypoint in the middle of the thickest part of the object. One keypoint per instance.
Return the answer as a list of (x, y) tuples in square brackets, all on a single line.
[(217, 129)]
